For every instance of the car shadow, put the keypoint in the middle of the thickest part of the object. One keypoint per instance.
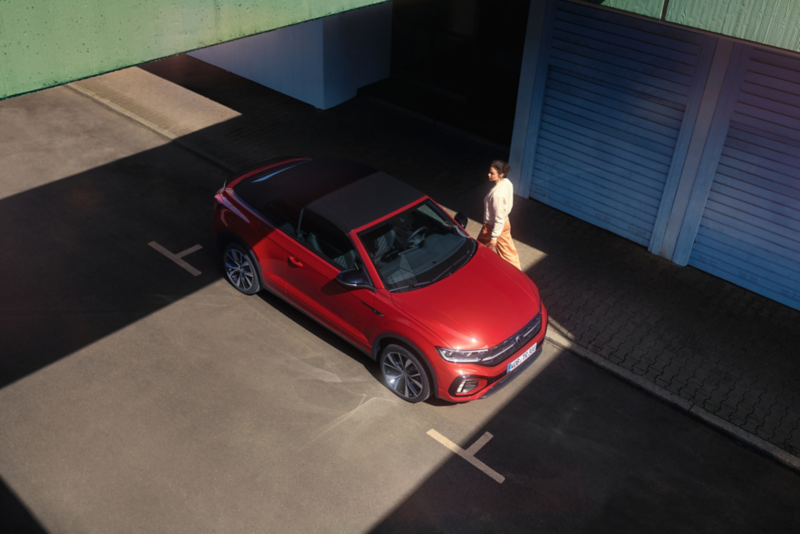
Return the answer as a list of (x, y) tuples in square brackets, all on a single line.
[(316, 329), (335, 341)]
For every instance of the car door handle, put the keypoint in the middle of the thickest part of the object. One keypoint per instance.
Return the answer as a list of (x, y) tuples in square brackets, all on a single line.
[(376, 312), (294, 261)]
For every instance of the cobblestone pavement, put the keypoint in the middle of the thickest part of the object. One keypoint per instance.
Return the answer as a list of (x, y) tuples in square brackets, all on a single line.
[(720, 347)]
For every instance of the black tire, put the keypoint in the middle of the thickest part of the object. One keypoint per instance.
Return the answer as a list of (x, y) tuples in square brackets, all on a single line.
[(404, 374), (240, 269)]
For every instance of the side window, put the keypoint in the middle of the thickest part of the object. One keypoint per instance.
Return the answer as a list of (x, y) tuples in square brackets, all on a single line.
[(284, 214), (321, 236)]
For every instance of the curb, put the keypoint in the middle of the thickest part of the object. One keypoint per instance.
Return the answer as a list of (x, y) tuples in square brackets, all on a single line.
[(554, 337), (133, 117), (791, 461)]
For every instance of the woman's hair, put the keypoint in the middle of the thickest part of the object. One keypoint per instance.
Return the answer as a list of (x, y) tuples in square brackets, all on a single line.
[(502, 167)]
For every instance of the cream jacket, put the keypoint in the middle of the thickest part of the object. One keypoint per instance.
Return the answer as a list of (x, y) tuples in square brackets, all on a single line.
[(497, 205)]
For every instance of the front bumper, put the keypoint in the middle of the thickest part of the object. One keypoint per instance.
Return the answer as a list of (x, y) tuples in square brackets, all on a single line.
[(490, 379)]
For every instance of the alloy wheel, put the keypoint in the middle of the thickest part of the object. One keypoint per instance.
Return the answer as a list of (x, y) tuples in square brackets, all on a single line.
[(402, 375), (239, 269)]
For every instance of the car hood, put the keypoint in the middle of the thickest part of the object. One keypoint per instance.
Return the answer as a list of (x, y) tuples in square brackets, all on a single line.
[(479, 306)]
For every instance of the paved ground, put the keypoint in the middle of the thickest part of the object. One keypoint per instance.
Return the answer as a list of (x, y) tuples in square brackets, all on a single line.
[(724, 351), (137, 397)]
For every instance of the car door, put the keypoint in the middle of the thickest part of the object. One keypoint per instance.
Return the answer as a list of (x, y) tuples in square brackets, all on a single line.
[(322, 252), (277, 238)]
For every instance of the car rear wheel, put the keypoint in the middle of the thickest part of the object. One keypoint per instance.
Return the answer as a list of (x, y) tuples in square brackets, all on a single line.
[(240, 269), (404, 374)]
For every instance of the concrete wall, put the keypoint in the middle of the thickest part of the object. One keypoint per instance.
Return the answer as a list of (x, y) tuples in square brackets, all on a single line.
[(648, 8), (770, 22), (50, 42), (321, 62), (288, 60)]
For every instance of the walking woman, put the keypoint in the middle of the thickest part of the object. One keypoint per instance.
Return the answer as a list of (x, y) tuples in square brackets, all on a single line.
[(496, 231)]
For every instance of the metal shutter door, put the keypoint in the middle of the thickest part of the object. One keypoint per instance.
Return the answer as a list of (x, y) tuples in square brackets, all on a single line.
[(616, 93), (750, 230)]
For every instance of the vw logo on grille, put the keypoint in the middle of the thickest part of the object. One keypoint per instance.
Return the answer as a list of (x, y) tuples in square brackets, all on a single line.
[(518, 341)]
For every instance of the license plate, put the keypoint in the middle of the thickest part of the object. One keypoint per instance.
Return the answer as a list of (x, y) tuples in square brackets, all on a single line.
[(525, 355)]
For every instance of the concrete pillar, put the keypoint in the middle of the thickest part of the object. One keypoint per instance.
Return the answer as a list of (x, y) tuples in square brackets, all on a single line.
[(530, 95), (322, 62)]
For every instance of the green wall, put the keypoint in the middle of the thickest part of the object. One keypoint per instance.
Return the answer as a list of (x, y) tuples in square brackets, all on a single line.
[(50, 42), (770, 22), (648, 8)]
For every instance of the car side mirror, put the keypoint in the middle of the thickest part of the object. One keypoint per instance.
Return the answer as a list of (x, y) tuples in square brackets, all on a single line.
[(461, 219), (353, 278)]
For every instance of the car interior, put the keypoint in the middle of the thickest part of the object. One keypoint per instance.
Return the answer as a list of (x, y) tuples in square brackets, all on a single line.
[(319, 235), (411, 244)]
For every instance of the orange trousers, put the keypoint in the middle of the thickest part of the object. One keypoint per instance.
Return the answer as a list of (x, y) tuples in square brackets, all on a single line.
[(505, 245)]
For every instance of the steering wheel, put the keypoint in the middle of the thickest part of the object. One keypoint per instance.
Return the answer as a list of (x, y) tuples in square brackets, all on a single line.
[(416, 238)]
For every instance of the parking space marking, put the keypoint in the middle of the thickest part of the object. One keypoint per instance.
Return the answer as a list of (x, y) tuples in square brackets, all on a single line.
[(177, 258), (469, 454)]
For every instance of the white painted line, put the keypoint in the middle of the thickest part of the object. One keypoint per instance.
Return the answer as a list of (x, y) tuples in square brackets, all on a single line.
[(177, 257), (479, 443), (444, 441), (469, 454)]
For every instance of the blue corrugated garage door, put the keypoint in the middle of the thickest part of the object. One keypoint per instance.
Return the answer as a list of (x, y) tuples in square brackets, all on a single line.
[(617, 90), (750, 230)]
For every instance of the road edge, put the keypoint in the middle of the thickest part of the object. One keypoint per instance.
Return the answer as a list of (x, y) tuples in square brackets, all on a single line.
[(761, 445)]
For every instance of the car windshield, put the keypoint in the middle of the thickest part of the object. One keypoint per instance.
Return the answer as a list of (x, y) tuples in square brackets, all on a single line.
[(417, 247)]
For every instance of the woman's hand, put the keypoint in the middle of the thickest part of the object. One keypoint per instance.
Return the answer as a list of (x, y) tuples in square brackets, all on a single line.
[(492, 244)]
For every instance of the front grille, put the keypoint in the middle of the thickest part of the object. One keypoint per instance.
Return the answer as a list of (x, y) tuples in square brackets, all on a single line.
[(506, 378), (511, 345)]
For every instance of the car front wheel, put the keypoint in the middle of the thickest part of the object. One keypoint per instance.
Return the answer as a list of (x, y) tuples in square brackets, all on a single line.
[(404, 374), (240, 269)]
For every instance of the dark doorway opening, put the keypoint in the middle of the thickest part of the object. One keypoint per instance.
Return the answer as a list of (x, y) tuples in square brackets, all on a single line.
[(457, 62)]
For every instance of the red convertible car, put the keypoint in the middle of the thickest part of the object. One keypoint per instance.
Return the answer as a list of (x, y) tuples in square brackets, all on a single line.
[(386, 268)]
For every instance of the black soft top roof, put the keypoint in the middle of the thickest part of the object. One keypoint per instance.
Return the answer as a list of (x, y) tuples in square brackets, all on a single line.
[(347, 193)]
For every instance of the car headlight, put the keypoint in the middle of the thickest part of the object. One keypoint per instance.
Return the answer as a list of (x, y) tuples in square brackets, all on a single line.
[(485, 356), (462, 356)]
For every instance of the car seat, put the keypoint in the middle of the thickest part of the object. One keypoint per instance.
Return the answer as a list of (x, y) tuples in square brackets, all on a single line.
[(288, 228), (383, 244), (313, 243), (346, 261)]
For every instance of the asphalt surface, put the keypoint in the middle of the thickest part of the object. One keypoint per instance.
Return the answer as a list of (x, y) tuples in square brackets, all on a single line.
[(138, 397), (721, 351)]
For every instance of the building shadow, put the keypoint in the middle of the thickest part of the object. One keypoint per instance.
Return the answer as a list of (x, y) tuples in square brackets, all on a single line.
[(14, 515), (582, 451), (92, 272), (76, 267)]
